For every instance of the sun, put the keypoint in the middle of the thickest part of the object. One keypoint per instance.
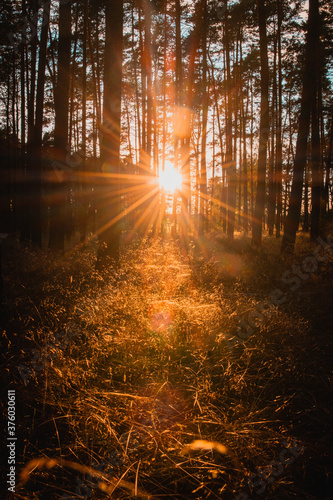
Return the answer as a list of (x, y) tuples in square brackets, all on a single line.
[(170, 179)]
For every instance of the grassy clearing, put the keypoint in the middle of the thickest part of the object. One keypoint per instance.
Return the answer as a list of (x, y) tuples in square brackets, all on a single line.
[(128, 368)]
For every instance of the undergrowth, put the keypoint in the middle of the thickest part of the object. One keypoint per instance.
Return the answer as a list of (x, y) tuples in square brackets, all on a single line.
[(129, 367)]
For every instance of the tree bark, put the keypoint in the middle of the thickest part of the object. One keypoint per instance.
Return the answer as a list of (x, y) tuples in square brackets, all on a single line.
[(278, 173), (205, 97), (271, 209), (83, 208), (24, 187), (316, 184), (264, 128), (61, 97), (36, 229), (109, 225), (308, 95), (244, 162), (229, 160)]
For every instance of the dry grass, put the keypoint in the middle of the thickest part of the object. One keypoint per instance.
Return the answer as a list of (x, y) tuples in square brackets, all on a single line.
[(149, 391)]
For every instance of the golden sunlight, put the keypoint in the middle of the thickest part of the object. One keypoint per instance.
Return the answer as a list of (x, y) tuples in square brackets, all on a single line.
[(170, 179)]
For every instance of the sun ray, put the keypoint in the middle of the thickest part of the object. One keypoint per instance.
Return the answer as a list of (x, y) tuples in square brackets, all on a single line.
[(126, 211), (222, 204), (143, 216)]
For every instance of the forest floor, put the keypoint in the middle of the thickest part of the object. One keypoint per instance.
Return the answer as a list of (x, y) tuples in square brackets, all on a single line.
[(137, 383)]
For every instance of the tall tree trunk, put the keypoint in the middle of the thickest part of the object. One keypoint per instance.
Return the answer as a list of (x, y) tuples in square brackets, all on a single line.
[(229, 160), (72, 83), (264, 128), (205, 97), (308, 95), (278, 173), (24, 201), (213, 169), (31, 188), (83, 208), (155, 84), (95, 74), (84, 79), (272, 162), (137, 99), (33, 56), (143, 160), (147, 112), (14, 145), (217, 112), (316, 184), (148, 73), (58, 206), (179, 139), (23, 83), (109, 226), (179, 72), (329, 162), (237, 126), (223, 210), (186, 113), (164, 113), (251, 157), (244, 165), (36, 229)]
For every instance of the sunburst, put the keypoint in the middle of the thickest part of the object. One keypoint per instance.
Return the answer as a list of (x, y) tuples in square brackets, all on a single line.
[(170, 180)]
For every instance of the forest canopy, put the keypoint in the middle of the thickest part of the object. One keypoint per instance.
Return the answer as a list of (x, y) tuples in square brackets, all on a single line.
[(98, 99)]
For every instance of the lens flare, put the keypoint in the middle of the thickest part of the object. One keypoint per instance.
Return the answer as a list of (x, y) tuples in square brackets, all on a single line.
[(161, 315)]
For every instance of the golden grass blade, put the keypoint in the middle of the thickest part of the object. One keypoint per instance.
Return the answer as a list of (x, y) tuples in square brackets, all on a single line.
[(201, 444), (108, 484), (136, 479)]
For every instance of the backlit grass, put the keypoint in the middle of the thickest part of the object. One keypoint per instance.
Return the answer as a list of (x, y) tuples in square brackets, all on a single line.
[(151, 369)]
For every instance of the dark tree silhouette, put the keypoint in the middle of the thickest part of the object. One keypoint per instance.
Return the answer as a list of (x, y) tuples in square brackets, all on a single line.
[(264, 128), (109, 201), (61, 102), (36, 230), (308, 95)]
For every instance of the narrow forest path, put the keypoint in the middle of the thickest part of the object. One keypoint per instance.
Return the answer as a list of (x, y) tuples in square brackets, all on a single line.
[(176, 306), (155, 293)]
